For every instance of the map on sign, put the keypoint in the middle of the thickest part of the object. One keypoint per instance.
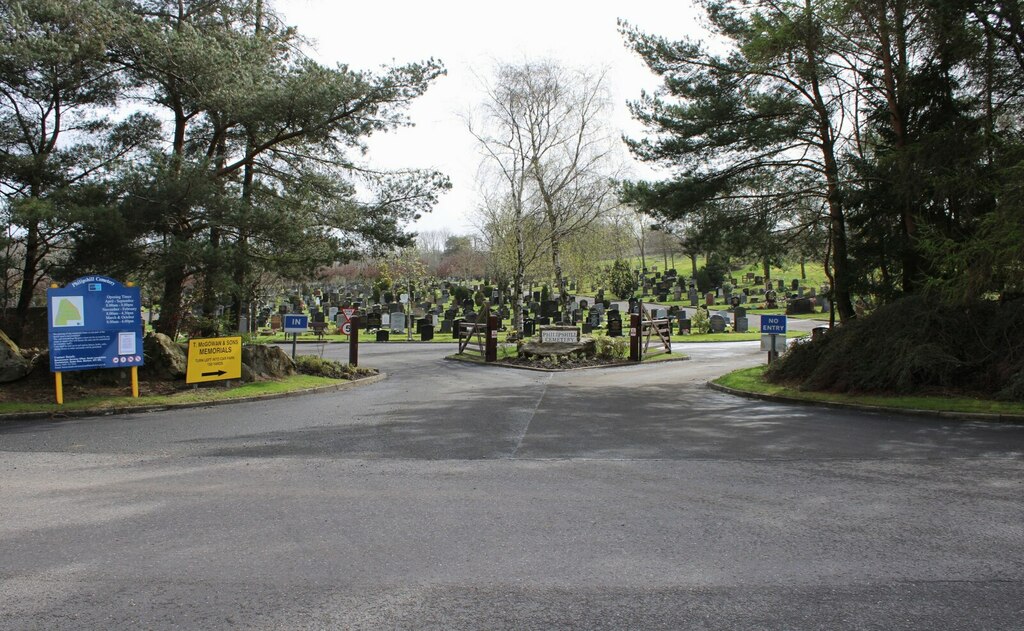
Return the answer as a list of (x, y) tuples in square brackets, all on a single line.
[(67, 311), (94, 322)]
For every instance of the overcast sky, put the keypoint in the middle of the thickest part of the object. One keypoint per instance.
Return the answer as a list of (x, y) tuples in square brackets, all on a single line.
[(469, 37)]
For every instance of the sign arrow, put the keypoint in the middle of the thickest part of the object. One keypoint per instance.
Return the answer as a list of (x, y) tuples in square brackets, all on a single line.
[(214, 374)]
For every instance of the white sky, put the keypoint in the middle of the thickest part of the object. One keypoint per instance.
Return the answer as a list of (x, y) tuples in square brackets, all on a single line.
[(468, 37)]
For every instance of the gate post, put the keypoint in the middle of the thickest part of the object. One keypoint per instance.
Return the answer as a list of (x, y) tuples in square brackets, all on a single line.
[(353, 341), (491, 345), (634, 337)]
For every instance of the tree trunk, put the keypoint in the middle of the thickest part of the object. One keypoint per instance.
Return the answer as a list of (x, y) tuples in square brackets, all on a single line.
[(556, 262), (842, 299), (171, 309), (518, 277), (29, 270), (693, 265), (210, 299)]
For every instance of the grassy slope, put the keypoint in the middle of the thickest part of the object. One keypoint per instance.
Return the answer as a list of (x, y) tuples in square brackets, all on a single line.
[(749, 380), (201, 395)]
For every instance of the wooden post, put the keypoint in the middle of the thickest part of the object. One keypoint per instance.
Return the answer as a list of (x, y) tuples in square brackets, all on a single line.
[(353, 341), (634, 337), (491, 352), (295, 340), (135, 382), (60, 387)]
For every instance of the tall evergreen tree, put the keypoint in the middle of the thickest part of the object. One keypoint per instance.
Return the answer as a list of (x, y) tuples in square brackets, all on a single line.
[(257, 170), (57, 135), (767, 108)]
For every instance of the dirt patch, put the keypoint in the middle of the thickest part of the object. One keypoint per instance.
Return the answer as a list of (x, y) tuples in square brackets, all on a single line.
[(36, 390)]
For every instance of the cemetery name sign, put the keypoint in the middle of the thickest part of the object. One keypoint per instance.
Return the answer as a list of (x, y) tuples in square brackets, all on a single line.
[(94, 322), (559, 336)]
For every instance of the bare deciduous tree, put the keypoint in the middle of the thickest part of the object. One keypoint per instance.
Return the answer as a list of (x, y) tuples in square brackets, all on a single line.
[(542, 131)]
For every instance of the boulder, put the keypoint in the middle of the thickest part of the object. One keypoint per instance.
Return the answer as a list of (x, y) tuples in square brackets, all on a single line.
[(165, 360), (13, 365), (267, 361), (534, 348)]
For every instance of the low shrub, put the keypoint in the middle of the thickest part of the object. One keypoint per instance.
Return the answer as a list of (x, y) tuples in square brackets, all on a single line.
[(611, 347), (916, 346), (321, 367), (700, 322)]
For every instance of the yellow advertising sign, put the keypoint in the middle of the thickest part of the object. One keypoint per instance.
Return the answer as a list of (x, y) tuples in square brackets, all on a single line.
[(214, 358)]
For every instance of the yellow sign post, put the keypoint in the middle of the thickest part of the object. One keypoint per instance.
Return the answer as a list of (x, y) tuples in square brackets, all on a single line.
[(214, 359)]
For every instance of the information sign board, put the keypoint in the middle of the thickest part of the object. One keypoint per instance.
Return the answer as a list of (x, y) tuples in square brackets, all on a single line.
[(773, 343), (296, 323), (773, 324), (213, 359), (94, 322)]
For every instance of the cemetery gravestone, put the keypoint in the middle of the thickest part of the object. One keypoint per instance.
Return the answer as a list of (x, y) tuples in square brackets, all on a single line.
[(717, 324), (397, 322)]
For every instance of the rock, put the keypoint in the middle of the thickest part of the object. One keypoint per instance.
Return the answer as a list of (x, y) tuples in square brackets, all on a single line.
[(165, 360), (267, 361), (13, 365), (534, 348), (248, 376)]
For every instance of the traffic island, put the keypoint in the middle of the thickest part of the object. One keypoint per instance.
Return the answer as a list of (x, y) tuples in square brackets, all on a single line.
[(748, 382)]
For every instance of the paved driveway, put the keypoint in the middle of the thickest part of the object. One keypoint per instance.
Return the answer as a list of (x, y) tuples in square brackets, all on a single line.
[(454, 496)]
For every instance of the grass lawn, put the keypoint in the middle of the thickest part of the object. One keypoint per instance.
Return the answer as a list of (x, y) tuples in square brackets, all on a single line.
[(364, 336), (749, 380), (815, 271), (370, 338), (750, 336), (200, 395)]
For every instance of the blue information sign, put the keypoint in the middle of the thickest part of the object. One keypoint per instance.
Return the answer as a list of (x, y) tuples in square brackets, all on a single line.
[(773, 324), (296, 323), (94, 322)]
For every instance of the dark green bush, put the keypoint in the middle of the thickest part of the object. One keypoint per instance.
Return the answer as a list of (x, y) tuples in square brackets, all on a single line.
[(460, 293), (916, 346)]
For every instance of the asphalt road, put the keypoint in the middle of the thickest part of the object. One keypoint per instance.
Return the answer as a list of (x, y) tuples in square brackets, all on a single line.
[(452, 496)]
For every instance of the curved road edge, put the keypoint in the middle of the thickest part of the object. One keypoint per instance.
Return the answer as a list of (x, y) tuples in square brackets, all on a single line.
[(776, 398), (30, 416)]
